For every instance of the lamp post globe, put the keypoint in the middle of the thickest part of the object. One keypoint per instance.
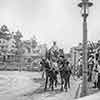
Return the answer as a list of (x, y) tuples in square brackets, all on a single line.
[(84, 5)]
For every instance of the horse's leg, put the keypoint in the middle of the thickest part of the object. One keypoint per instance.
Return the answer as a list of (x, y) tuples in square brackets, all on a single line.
[(52, 80), (56, 81), (69, 81), (52, 83), (46, 82), (62, 82), (43, 75), (66, 83)]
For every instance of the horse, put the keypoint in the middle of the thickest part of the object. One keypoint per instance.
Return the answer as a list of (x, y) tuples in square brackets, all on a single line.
[(52, 57), (62, 66), (65, 73), (50, 74)]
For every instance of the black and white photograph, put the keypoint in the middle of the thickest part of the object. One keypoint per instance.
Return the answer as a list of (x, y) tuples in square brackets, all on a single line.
[(49, 49)]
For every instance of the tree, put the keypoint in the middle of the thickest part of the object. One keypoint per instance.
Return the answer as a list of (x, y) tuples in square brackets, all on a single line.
[(4, 36), (18, 35), (19, 45), (34, 41), (4, 32), (4, 29)]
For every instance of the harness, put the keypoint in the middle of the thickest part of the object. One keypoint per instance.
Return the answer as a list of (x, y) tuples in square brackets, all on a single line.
[(63, 67)]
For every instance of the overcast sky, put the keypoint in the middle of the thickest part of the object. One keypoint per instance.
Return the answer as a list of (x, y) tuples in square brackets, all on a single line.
[(50, 20)]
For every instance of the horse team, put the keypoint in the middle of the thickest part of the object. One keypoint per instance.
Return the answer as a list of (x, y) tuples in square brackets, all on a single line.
[(55, 64)]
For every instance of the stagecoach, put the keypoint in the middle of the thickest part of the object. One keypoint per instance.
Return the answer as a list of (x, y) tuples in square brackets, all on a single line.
[(55, 64)]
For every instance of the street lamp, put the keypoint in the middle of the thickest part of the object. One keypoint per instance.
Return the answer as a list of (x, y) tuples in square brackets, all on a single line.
[(84, 5), (74, 61)]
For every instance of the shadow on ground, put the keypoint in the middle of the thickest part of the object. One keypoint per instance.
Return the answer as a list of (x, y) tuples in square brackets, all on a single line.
[(41, 91)]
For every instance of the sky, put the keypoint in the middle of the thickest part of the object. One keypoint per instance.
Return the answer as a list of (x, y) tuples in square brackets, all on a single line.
[(50, 20)]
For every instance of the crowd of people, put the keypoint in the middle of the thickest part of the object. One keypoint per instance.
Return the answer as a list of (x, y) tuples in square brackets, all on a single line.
[(93, 68)]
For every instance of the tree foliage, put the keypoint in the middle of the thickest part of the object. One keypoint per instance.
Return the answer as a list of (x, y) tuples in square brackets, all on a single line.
[(18, 35), (4, 32), (34, 41), (4, 29)]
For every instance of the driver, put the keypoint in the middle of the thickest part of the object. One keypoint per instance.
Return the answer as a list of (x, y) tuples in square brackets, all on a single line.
[(54, 47), (54, 51)]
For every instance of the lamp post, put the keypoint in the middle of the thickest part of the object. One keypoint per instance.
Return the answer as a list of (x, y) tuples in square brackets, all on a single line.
[(74, 61), (84, 5)]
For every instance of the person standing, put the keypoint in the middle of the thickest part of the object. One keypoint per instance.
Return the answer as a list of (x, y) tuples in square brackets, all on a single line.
[(69, 72), (90, 67), (54, 47), (80, 68), (54, 52), (95, 76), (98, 69)]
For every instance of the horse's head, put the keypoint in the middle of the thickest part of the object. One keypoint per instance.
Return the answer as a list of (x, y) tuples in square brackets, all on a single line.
[(48, 53)]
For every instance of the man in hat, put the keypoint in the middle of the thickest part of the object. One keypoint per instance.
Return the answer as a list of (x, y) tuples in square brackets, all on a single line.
[(54, 50), (54, 47)]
